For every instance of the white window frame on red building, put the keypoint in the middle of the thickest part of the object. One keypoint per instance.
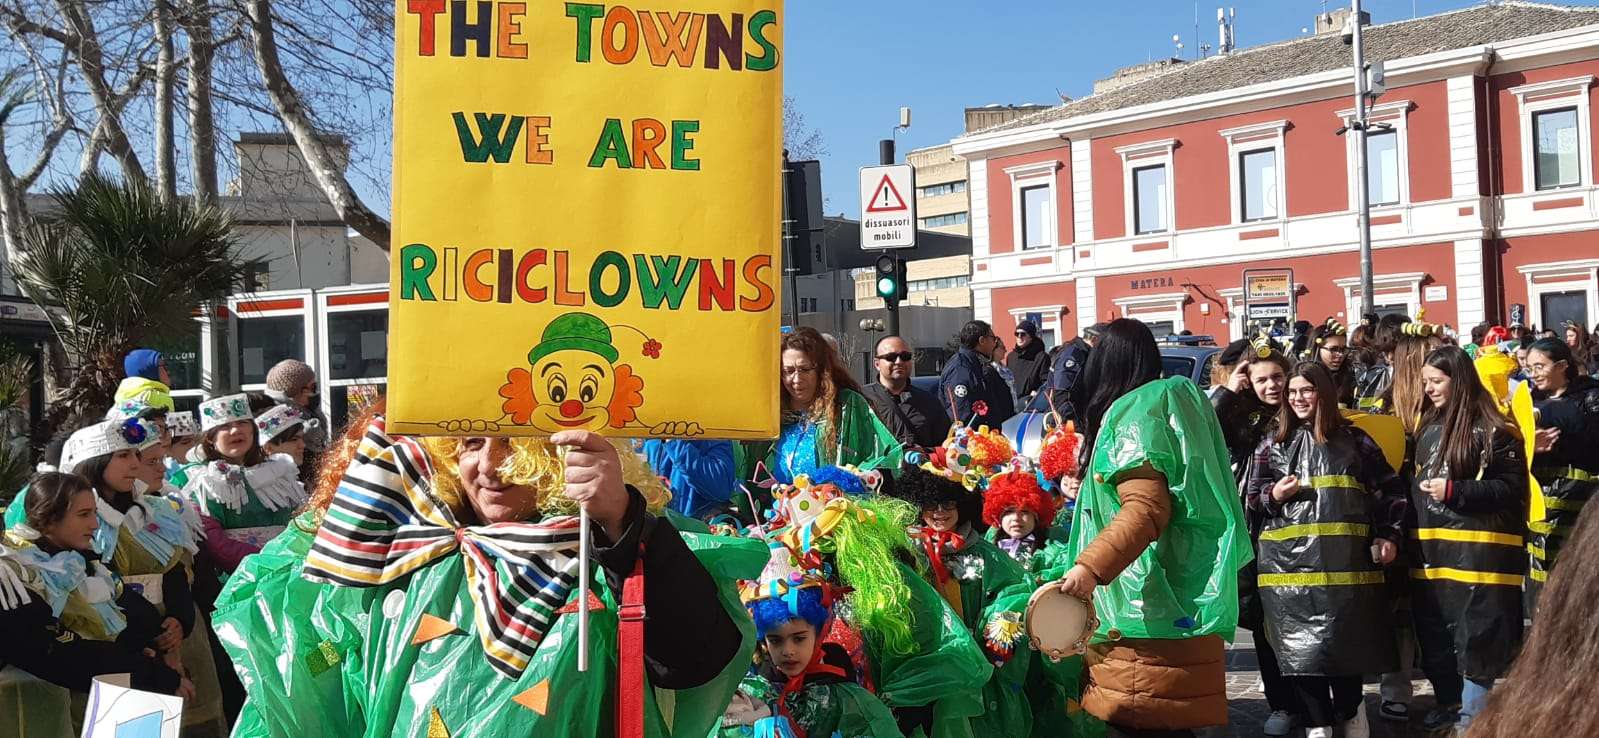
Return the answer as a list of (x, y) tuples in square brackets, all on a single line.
[(1388, 290), (1026, 176), (1166, 307), (1149, 154), (1246, 139), (1581, 275), (1553, 95), (1397, 115)]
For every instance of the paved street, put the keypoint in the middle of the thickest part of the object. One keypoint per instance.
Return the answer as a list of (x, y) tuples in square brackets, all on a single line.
[(1248, 706)]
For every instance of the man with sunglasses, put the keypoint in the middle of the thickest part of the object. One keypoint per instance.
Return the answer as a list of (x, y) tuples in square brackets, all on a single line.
[(1029, 363), (914, 416)]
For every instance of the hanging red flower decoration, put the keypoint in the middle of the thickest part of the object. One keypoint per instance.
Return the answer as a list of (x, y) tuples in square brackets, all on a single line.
[(652, 349), (980, 407)]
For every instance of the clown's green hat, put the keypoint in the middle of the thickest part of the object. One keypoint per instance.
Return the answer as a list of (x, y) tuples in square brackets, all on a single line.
[(575, 332)]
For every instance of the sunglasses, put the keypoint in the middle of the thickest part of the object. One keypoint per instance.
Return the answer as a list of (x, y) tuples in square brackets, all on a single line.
[(899, 356), (1020, 334)]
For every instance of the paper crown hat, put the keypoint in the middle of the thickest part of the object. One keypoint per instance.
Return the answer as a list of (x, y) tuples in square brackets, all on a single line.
[(106, 437), (183, 424), (278, 420), (223, 410), (134, 409)]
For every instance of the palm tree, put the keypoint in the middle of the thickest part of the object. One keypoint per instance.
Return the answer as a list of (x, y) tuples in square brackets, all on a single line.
[(115, 267)]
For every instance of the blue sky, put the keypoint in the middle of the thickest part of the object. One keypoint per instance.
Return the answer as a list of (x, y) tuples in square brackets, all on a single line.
[(850, 65)]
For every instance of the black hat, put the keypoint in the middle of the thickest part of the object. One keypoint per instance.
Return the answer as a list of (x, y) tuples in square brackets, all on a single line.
[(1234, 352), (1097, 329), (1026, 326)]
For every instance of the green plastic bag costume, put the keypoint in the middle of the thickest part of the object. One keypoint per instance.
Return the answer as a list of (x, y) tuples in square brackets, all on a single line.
[(267, 610), (1053, 688), (863, 441), (410, 653), (836, 709), (1186, 583)]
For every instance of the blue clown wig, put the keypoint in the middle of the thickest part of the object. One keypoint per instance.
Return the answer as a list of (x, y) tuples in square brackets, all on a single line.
[(770, 612), (846, 481)]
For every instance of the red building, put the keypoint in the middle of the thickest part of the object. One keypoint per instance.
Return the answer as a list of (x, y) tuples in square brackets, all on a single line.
[(1151, 199)]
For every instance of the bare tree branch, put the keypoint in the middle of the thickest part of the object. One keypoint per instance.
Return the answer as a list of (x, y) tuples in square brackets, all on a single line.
[(202, 121), (328, 172), (166, 158), (91, 63)]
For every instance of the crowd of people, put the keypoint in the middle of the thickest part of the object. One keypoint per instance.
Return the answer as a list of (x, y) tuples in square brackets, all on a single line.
[(1365, 501)]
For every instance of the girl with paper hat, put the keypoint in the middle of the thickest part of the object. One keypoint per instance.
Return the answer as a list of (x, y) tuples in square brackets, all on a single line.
[(436, 599), (903, 640), (149, 541), (803, 686), (246, 495), (282, 431), (66, 615)]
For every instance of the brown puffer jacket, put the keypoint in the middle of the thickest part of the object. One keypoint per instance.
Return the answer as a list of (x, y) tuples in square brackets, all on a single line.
[(1158, 684), (1147, 683)]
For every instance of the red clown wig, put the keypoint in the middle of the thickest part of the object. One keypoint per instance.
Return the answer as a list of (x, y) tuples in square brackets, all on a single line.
[(1017, 490)]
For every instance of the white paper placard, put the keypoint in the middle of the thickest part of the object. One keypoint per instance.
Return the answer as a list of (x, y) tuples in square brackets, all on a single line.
[(119, 711)]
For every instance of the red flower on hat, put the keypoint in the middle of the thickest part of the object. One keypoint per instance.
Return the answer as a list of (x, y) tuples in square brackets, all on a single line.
[(652, 349)]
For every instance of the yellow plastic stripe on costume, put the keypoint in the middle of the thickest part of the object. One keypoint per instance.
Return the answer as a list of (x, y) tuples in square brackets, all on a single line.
[(1315, 529), (1386, 430), (1555, 503), (1521, 411), (1336, 481), (1568, 472), (1540, 527), (1467, 576), (1468, 536), (1539, 575), (1537, 552), (1320, 579)]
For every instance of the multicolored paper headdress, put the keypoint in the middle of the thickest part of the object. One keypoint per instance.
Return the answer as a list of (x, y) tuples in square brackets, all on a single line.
[(108, 437), (968, 456), (279, 420), (220, 411), (183, 424)]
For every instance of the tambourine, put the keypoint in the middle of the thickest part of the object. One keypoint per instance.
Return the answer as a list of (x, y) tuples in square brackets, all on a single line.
[(1058, 624)]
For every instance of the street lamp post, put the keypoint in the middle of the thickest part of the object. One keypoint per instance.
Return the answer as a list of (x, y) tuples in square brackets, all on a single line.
[(1362, 186)]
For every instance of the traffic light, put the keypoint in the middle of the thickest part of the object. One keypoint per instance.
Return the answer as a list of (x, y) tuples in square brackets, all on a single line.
[(891, 279)]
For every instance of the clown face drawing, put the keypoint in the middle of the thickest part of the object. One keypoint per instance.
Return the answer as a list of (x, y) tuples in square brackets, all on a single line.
[(574, 380)]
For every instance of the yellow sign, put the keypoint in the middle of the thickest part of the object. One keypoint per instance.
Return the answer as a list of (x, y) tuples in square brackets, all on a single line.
[(1268, 287), (586, 218)]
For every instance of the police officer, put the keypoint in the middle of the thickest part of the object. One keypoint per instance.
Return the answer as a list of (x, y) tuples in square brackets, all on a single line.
[(1069, 362), (971, 385)]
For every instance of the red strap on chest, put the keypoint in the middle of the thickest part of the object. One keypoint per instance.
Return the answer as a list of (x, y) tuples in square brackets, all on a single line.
[(630, 672)]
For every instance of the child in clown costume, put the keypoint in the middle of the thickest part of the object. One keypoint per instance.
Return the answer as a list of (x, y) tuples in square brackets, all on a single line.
[(987, 589), (899, 636), (425, 605), (803, 682), (1016, 508)]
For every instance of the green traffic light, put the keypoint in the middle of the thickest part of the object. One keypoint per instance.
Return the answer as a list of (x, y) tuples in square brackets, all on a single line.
[(885, 287)]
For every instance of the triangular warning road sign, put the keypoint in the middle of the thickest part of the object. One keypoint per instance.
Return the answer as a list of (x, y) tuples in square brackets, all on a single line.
[(886, 199)]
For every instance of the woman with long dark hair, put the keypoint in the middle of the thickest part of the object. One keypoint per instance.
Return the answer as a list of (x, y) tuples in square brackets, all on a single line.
[(1155, 489), (1469, 497), (1334, 512), (1247, 409), (1566, 457), (826, 420)]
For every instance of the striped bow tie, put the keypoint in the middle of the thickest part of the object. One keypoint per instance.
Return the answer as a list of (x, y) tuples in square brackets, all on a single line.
[(934, 543), (384, 523)]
